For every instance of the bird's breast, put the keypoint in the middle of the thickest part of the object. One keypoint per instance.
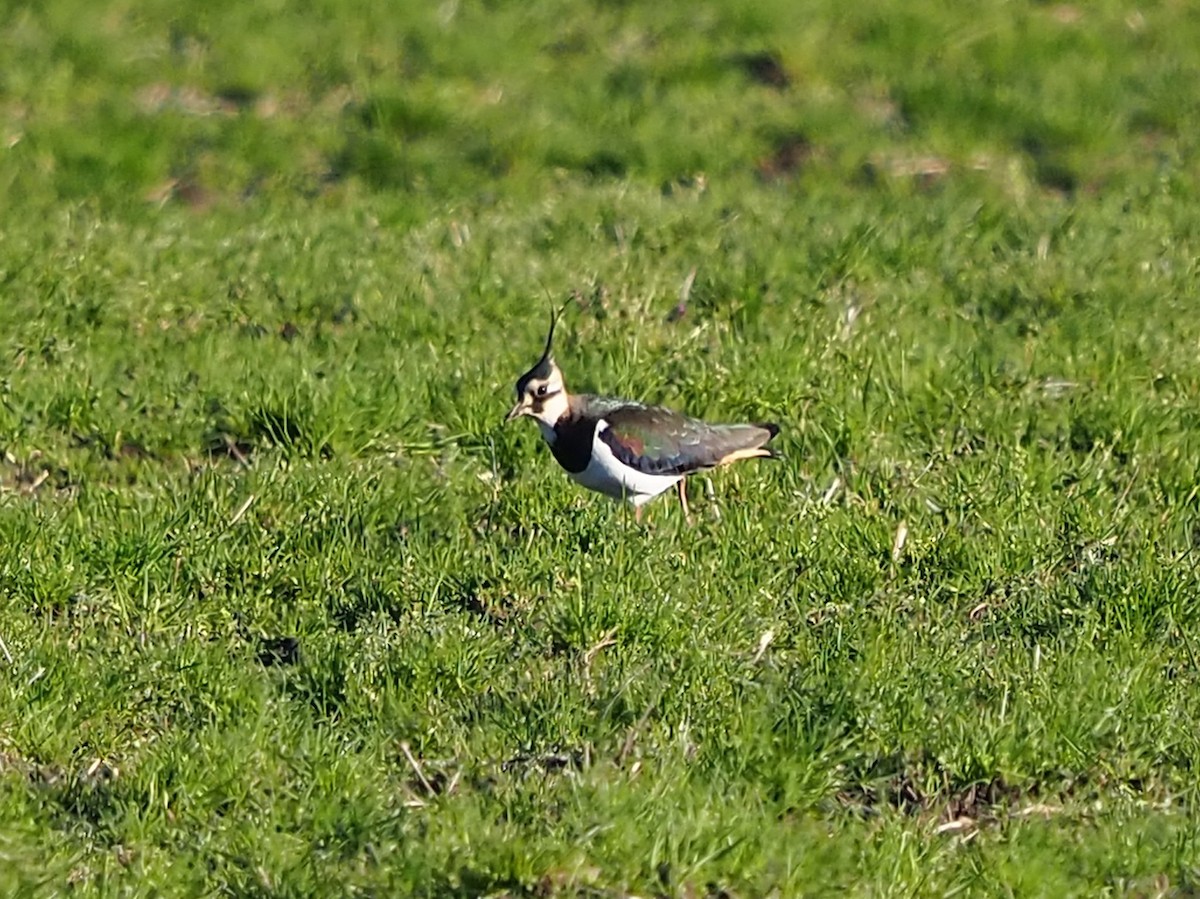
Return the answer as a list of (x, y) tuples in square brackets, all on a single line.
[(606, 474), (570, 440)]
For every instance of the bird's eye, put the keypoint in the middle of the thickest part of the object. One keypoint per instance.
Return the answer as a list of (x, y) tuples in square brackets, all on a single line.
[(541, 391)]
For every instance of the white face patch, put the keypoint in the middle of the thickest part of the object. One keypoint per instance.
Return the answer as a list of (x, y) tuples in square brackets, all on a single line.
[(550, 409), (547, 399)]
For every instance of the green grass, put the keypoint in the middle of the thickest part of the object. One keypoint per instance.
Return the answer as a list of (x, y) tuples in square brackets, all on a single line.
[(287, 611)]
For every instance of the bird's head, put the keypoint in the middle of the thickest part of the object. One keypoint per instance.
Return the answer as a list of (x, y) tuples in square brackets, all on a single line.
[(541, 393)]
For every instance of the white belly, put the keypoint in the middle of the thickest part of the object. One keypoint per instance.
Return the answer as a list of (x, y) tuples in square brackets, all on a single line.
[(606, 475)]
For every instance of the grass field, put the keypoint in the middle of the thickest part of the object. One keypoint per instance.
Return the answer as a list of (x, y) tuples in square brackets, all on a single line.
[(285, 610)]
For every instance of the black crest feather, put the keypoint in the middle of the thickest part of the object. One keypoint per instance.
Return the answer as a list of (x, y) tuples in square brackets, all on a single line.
[(543, 368)]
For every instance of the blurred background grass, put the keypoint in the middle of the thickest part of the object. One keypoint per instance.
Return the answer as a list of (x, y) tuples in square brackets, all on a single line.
[(464, 101)]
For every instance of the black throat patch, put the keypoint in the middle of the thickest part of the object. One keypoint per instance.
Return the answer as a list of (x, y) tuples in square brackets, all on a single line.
[(572, 445)]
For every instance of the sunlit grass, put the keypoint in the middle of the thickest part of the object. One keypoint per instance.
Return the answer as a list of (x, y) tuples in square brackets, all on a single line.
[(286, 610)]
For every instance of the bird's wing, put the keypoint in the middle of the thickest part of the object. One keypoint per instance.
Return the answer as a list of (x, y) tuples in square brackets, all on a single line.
[(655, 440)]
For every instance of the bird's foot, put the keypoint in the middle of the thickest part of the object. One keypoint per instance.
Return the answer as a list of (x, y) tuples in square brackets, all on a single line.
[(682, 488)]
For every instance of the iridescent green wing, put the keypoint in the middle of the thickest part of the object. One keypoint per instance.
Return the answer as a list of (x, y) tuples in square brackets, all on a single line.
[(655, 440)]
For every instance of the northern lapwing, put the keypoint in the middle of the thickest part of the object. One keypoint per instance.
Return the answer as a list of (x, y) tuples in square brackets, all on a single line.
[(624, 449)]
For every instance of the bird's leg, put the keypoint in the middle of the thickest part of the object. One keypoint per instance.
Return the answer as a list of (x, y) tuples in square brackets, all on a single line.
[(711, 496), (681, 485), (637, 514)]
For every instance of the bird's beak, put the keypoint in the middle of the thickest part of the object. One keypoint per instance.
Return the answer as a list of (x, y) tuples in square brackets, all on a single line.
[(517, 411)]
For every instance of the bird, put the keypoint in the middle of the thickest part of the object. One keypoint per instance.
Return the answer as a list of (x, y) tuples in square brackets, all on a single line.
[(625, 449)]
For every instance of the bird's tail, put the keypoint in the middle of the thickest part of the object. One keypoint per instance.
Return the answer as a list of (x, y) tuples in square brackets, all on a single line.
[(772, 430)]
